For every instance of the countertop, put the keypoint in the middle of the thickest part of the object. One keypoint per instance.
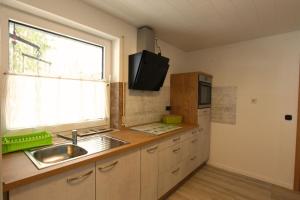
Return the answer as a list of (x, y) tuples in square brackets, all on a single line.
[(18, 170)]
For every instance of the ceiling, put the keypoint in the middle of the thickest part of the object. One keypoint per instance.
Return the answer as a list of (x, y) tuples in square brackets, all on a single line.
[(196, 24)]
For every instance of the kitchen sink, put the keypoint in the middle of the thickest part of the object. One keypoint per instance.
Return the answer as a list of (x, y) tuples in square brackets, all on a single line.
[(49, 156), (58, 153)]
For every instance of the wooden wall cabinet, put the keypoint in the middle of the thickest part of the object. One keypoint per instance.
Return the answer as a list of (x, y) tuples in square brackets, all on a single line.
[(184, 96), (184, 101)]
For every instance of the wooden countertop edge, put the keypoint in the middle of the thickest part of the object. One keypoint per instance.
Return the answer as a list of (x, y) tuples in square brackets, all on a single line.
[(60, 168)]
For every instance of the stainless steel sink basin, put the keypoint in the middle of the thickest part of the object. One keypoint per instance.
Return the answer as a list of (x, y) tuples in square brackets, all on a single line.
[(56, 154), (45, 157)]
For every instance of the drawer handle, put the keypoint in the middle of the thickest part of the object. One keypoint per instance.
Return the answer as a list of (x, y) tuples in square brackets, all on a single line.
[(176, 139), (152, 150), (193, 158), (200, 129), (195, 140), (194, 132), (175, 171), (176, 150), (70, 180), (108, 167)]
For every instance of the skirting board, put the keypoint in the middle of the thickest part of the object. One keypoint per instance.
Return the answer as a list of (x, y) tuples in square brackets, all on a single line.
[(242, 172)]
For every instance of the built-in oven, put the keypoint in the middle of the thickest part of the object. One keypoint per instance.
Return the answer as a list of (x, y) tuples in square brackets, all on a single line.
[(204, 91)]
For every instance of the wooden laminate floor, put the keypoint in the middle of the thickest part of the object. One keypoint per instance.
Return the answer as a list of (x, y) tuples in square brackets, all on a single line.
[(210, 183)]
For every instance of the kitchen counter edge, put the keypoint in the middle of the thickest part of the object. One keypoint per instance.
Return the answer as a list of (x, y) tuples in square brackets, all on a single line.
[(18, 170)]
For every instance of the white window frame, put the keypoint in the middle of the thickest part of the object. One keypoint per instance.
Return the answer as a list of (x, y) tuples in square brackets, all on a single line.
[(54, 27)]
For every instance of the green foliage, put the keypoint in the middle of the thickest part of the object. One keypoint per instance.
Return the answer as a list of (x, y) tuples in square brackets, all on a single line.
[(17, 62)]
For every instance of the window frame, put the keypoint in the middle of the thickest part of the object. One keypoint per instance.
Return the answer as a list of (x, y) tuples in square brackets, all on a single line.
[(58, 28), (64, 36)]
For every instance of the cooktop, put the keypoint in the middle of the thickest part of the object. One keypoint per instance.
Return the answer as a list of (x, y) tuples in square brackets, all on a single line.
[(156, 128)]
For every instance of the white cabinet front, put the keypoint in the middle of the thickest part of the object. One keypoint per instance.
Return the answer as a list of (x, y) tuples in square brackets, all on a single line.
[(149, 172), (118, 178), (76, 184), (204, 128)]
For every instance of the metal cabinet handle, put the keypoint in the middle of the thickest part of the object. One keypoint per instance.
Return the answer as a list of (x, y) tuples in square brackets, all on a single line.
[(193, 158), (108, 167), (175, 171), (195, 140), (176, 139), (70, 180), (176, 150), (152, 150)]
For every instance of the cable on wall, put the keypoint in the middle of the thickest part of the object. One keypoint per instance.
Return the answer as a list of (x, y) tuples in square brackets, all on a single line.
[(157, 46)]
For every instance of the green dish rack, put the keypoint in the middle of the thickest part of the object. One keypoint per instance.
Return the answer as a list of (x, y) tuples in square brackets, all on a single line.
[(21, 141)]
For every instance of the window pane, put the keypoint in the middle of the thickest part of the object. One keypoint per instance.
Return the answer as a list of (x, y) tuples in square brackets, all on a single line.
[(38, 52), (67, 89), (34, 102)]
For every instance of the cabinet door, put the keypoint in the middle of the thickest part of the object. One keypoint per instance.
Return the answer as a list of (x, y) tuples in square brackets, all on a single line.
[(206, 145), (204, 128), (192, 156), (149, 172), (169, 157), (118, 178), (184, 96), (168, 179), (77, 184)]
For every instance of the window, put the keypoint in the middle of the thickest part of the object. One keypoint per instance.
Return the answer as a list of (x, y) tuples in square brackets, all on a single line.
[(52, 79)]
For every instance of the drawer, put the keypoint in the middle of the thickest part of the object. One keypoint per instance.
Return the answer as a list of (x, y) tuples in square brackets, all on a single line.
[(152, 148), (204, 112), (190, 134), (169, 179), (190, 147), (194, 145), (170, 142), (169, 157), (189, 165)]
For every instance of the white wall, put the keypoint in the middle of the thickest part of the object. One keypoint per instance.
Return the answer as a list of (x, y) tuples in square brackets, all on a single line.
[(262, 143), (78, 15)]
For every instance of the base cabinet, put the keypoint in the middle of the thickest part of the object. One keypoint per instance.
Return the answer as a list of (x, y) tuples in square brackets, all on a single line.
[(77, 184), (118, 178), (193, 157), (204, 129), (169, 179), (178, 160), (149, 172)]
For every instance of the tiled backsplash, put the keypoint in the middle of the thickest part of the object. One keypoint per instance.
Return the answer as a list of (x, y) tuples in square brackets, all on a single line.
[(141, 106), (146, 106), (116, 104)]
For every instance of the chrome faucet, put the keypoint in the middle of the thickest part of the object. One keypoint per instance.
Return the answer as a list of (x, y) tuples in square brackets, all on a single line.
[(74, 137)]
